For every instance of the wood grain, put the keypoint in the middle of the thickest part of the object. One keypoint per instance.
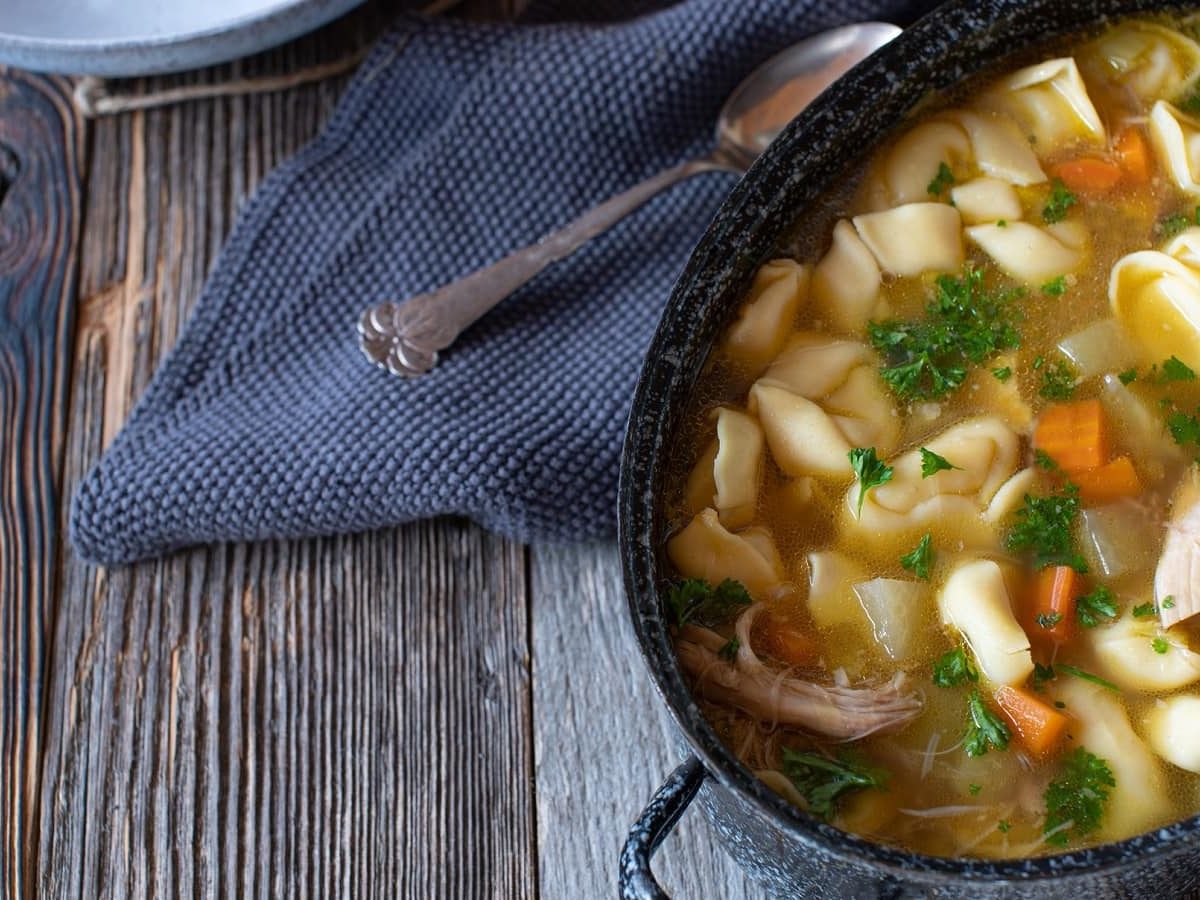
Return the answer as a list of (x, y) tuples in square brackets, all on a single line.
[(603, 740), (39, 222)]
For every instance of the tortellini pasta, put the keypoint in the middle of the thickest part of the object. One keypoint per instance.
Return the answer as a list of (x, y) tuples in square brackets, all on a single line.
[(1031, 253), (706, 549), (737, 467), (779, 292), (1125, 655), (1050, 102), (1152, 61), (818, 400), (1172, 728), (1156, 298), (913, 161), (986, 200), (914, 238), (1176, 139), (975, 601), (1001, 150), (831, 600), (987, 454), (845, 283)]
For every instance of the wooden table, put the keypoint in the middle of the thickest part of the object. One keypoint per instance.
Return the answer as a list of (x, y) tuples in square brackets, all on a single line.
[(427, 711)]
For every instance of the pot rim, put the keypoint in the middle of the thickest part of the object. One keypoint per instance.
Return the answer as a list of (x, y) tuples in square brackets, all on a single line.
[(791, 174)]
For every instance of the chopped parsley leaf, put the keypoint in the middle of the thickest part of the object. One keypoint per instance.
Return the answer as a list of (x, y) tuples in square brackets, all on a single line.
[(1088, 676), (1003, 826), (697, 599), (1095, 606), (1046, 527), (1058, 381), (1160, 645), (964, 324), (729, 650), (931, 463), (1059, 202), (1168, 601), (984, 729), (1058, 704), (1172, 225), (974, 789), (869, 470), (1128, 376), (1045, 461), (1185, 429), (1175, 369), (1001, 223), (920, 557), (822, 782), (1042, 674), (1003, 373), (953, 668), (943, 180), (1078, 796), (1144, 610), (1049, 620), (1055, 287)]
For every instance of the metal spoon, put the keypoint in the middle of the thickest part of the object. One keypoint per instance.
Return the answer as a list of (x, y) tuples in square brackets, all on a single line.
[(405, 338)]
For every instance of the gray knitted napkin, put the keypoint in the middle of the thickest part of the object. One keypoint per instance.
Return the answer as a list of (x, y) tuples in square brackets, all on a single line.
[(455, 144)]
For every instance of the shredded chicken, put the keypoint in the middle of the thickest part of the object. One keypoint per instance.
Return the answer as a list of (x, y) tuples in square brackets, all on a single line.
[(836, 711), (1178, 572)]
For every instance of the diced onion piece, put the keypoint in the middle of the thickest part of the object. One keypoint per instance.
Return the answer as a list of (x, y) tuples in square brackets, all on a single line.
[(1172, 728), (1100, 347), (1176, 139), (895, 608), (1117, 539), (845, 283), (914, 238), (1140, 429), (779, 291), (1030, 253), (737, 468), (1139, 800), (986, 200), (831, 600), (975, 601), (705, 549), (1125, 655)]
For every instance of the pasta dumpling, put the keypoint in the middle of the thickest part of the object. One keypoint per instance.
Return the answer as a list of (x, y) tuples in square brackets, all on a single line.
[(1126, 655), (818, 400), (986, 200), (1050, 102), (913, 238), (1031, 253), (1156, 298), (1176, 139), (1152, 61), (975, 601), (845, 282), (779, 291), (737, 467), (1000, 149), (986, 453), (1172, 728), (706, 549), (916, 157)]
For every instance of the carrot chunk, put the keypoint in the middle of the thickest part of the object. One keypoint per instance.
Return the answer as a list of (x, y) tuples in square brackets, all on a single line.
[(786, 643), (1074, 435), (1038, 726), (1133, 155), (1088, 175), (1052, 617), (1108, 482)]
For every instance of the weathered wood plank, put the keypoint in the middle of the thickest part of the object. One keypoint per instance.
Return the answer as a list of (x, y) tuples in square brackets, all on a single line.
[(40, 158), (348, 717), (603, 740)]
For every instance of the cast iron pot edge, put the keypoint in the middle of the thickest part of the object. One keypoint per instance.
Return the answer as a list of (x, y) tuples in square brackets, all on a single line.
[(820, 145)]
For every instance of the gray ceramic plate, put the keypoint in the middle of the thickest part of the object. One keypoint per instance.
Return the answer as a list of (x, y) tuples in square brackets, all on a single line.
[(142, 37)]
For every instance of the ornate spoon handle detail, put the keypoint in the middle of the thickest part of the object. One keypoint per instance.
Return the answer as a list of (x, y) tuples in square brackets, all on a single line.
[(405, 337)]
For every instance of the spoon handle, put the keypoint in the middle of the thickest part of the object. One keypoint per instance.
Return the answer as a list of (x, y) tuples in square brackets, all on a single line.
[(405, 337)]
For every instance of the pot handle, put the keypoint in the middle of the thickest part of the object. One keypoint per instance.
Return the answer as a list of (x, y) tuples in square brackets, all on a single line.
[(655, 823)]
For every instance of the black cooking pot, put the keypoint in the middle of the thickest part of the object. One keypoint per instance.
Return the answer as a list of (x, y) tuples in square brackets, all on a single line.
[(790, 852)]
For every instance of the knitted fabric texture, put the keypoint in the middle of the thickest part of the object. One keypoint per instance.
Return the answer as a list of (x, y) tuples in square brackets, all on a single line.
[(455, 144)]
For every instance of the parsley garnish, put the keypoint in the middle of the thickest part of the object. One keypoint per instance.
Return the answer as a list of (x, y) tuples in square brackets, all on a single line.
[(1045, 461), (974, 789), (1172, 225), (1160, 645), (1003, 826), (1046, 526), (941, 181), (964, 324), (1168, 601), (931, 463), (1143, 610), (953, 668), (1128, 376), (920, 557), (1042, 674), (1175, 369), (1059, 202), (1003, 373), (729, 650), (985, 729), (1049, 620), (869, 470), (1088, 676), (697, 599), (822, 782), (1055, 287), (1101, 603), (1078, 796), (1185, 429), (1058, 381)]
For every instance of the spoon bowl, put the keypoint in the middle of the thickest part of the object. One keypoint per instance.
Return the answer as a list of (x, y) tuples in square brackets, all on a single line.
[(405, 338)]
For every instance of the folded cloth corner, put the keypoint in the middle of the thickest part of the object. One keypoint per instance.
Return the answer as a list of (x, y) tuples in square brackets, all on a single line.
[(455, 144)]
